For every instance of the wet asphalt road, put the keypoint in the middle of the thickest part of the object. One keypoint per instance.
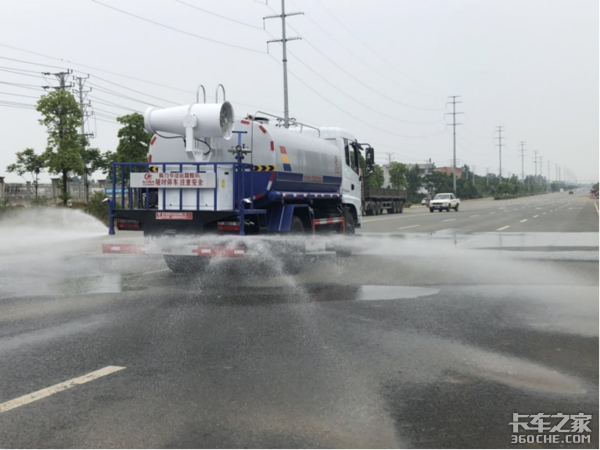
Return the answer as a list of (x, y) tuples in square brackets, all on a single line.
[(430, 336)]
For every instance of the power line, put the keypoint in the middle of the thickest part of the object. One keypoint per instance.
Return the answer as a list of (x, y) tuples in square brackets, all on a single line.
[(370, 49), (122, 75), (132, 90), (177, 29), (27, 62), (361, 103), (120, 95), (218, 15), (361, 60), (345, 111), (349, 74), (22, 85), (19, 95)]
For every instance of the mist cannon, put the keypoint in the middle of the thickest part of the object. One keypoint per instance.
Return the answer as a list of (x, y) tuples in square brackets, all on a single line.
[(200, 121)]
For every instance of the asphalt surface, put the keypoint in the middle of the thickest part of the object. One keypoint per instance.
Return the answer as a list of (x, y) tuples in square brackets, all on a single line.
[(438, 330)]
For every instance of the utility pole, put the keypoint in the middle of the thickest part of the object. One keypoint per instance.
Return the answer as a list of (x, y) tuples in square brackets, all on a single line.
[(454, 124), (284, 39), (522, 151), (62, 80), (500, 130), (82, 93), (473, 175)]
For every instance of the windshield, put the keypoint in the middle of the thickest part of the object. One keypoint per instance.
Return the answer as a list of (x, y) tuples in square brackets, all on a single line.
[(442, 197)]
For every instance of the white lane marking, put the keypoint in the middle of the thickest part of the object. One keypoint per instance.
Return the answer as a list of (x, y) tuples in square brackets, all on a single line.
[(465, 242), (394, 216), (597, 210), (543, 214), (475, 215), (536, 216), (493, 212), (503, 228), (504, 207), (155, 271), (448, 220), (538, 208), (412, 226), (43, 393), (524, 220)]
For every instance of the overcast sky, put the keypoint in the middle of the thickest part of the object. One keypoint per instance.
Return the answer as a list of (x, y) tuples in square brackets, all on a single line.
[(381, 68)]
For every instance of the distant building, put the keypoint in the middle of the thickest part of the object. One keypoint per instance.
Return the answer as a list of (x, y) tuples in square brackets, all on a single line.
[(449, 171), (424, 169)]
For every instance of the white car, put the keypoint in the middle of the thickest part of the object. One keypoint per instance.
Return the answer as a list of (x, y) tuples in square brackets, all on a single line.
[(445, 201)]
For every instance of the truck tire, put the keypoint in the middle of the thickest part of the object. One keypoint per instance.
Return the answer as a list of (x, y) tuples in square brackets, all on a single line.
[(294, 262), (401, 207), (392, 210), (187, 265), (376, 208), (350, 231), (456, 208)]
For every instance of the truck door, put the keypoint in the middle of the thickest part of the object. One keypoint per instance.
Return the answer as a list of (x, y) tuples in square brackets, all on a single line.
[(351, 189)]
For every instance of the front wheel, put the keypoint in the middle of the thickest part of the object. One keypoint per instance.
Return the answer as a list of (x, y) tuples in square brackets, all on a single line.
[(431, 209), (456, 208)]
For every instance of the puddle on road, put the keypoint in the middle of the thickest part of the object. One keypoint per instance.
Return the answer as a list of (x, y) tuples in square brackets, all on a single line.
[(368, 293)]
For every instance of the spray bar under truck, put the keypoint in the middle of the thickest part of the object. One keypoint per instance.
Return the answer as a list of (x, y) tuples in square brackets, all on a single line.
[(211, 176)]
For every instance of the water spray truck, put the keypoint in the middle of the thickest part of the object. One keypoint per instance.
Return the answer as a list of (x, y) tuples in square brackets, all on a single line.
[(212, 177)]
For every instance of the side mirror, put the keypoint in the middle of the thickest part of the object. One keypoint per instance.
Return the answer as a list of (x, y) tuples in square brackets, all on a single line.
[(370, 156)]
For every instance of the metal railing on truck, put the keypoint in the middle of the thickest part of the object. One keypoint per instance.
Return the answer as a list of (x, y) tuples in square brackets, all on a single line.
[(131, 197)]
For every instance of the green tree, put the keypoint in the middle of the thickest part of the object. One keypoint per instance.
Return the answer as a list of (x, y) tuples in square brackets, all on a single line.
[(375, 179), (134, 140), (397, 175), (439, 182), (28, 162), (61, 116), (414, 181), (92, 161), (505, 188)]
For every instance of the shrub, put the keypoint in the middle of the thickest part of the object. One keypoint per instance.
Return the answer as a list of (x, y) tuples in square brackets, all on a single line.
[(407, 204), (39, 202), (98, 208)]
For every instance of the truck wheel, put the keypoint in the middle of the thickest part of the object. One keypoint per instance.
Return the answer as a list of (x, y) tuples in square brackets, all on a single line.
[(187, 265), (350, 231), (392, 210), (376, 208), (293, 259), (400, 207), (456, 208)]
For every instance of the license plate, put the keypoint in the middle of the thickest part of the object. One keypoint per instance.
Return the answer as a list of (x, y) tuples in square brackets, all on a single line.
[(174, 216)]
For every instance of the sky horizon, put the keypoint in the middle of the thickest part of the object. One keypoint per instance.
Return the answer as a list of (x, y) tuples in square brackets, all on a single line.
[(382, 69)]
